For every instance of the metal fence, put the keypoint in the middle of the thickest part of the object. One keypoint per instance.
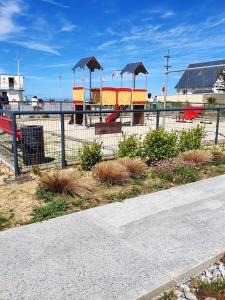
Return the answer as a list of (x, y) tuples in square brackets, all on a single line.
[(52, 137)]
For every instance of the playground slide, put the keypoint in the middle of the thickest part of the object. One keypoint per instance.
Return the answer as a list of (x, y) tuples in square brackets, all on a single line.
[(112, 117)]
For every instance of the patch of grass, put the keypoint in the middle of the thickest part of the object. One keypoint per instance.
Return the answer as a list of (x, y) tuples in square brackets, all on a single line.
[(3, 222), (44, 194), (215, 289), (186, 175), (122, 195), (49, 211)]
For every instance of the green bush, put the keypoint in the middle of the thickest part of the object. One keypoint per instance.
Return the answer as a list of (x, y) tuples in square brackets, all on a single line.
[(191, 138), (90, 154), (159, 145), (129, 147)]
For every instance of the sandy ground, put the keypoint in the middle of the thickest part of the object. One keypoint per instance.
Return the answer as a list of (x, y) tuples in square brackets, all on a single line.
[(17, 200)]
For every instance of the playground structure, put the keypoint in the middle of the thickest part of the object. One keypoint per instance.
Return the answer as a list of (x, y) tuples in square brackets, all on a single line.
[(87, 98)]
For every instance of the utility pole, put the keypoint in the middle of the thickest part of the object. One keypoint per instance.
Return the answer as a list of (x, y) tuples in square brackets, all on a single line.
[(18, 71), (167, 66)]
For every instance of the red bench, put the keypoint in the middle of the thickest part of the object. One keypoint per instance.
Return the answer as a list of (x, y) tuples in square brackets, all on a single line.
[(6, 127), (188, 115)]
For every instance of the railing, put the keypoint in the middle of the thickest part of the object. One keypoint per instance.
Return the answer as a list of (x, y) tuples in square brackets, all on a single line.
[(63, 132)]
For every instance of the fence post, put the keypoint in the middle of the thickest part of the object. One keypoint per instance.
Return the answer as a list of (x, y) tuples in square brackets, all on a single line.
[(63, 160), (157, 119), (15, 153), (217, 126)]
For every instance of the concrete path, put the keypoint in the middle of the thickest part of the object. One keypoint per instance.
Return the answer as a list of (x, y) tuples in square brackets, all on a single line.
[(118, 251)]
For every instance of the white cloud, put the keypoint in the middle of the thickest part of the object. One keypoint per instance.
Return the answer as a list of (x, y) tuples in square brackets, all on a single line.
[(167, 14), (68, 27), (56, 66), (38, 46), (56, 3), (107, 44), (8, 11)]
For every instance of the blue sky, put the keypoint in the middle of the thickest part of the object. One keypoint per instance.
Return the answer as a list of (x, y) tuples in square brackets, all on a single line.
[(50, 36)]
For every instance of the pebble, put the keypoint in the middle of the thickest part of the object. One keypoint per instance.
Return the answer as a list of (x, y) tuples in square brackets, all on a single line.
[(178, 293), (216, 274), (185, 288), (181, 298), (222, 270), (208, 274), (190, 296)]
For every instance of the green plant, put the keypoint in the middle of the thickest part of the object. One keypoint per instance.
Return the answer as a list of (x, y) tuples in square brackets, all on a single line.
[(90, 154), (214, 289), (191, 138), (135, 167), (3, 222), (129, 147), (159, 145), (186, 175), (211, 100), (44, 194), (48, 211), (111, 172), (169, 295), (177, 171)]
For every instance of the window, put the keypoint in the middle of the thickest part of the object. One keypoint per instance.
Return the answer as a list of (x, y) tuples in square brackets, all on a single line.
[(11, 82), (184, 92)]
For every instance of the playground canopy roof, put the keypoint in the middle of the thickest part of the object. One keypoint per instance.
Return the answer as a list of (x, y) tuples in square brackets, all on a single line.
[(200, 78), (134, 68), (91, 62)]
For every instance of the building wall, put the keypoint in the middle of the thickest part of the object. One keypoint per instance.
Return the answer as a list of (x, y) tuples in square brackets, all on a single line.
[(15, 92), (193, 98)]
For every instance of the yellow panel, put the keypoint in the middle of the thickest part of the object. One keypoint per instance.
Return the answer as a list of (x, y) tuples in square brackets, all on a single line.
[(139, 96), (124, 98), (108, 97), (78, 94)]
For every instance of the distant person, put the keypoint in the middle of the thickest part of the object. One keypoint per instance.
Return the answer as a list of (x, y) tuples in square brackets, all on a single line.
[(5, 101), (40, 104), (34, 102), (155, 102)]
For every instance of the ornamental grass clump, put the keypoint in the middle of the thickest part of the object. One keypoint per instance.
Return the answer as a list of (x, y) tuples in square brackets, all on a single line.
[(111, 172), (217, 156), (62, 182), (198, 157), (135, 167)]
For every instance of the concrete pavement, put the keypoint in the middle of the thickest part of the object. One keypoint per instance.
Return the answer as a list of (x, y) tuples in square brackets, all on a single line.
[(118, 251)]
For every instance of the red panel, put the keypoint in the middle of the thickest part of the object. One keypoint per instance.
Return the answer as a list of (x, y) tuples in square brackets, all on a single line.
[(139, 90), (78, 88), (139, 102)]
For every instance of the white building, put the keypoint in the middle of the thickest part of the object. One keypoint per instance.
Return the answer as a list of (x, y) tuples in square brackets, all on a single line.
[(201, 81), (13, 86)]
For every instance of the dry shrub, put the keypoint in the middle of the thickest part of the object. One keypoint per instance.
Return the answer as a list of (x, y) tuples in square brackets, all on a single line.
[(62, 182), (111, 172), (218, 155), (135, 167), (199, 157)]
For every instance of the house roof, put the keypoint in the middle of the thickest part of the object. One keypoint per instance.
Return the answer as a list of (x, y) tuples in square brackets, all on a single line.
[(134, 68), (91, 62), (200, 78)]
